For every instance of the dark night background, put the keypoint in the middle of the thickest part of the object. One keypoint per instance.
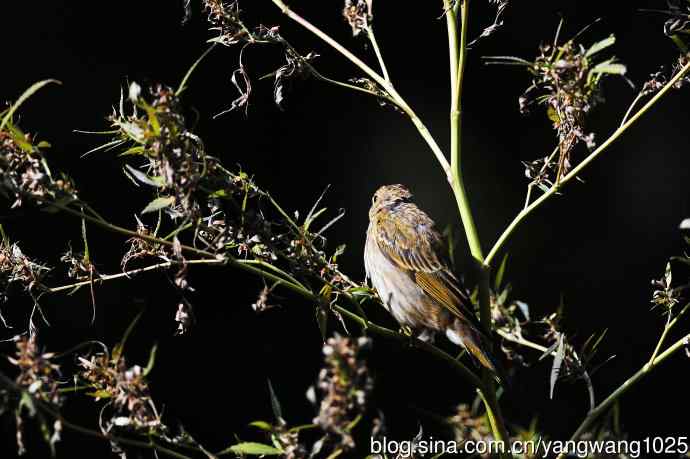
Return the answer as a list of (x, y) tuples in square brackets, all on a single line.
[(598, 245)]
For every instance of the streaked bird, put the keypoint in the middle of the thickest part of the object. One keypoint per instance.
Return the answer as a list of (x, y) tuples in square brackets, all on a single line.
[(404, 259)]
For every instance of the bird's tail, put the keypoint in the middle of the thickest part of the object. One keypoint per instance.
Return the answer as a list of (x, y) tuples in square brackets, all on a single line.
[(467, 336)]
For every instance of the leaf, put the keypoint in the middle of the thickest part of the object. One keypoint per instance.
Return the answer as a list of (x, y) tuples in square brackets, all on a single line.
[(25, 95), (99, 394), (119, 347), (152, 360), (600, 45), (263, 425), (501, 271), (137, 150), (339, 251), (158, 204), (610, 68), (311, 216), (183, 84), (557, 363), (275, 404), (253, 449), (142, 177), (340, 215)]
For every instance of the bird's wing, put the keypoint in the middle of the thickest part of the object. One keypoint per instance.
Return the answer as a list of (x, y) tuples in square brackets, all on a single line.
[(411, 243)]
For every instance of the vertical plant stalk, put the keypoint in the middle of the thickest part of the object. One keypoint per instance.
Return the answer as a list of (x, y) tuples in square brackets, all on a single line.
[(457, 52), (503, 238)]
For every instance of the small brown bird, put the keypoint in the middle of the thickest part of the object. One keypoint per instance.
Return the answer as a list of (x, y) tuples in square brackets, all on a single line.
[(404, 259)]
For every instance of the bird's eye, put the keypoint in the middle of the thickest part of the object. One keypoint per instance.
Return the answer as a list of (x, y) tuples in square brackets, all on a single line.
[(374, 199)]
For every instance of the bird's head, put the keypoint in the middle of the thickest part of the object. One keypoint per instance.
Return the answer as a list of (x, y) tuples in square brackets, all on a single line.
[(389, 196)]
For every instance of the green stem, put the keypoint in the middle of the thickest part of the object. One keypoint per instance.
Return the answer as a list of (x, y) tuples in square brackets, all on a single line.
[(667, 328), (503, 238), (457, 51), (458, 58), (127, 232), (246, 265), (256, 267), (432, 350), (615, 395)]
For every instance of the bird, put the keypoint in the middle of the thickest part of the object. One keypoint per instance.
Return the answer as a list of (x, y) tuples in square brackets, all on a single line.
[(405, 262)]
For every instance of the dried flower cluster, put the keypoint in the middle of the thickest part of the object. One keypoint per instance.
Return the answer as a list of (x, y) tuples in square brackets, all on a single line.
[(225, 18), (566, 79), (677, 27), (176, 162), (24, 174), (18, 269), (469, 426), (344, 384), (226, 212), (358, 15), (659, 79), (126, 389), (664, 294), (39, 377), (37, 372)]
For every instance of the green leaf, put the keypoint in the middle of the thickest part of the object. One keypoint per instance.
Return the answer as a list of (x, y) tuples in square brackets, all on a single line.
[(99, 394), (152, 360), (183, 84), (553, 115), (43, 144), (610, 68), (158, 204), (263, 425), (221, 193), (28, 93), (143, 178), (137, 150), (275, 403), (600, 45), (253, 449), (501, 271)]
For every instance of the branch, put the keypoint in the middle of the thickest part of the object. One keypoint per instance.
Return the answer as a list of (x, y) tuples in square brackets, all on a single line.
[(134, 272), (582, 165), (377, 50), (615, 395), (385, 84), (457, 51), (268, 271)]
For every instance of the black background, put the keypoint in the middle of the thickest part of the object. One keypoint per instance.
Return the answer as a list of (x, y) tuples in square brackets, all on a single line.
[(598, 246)]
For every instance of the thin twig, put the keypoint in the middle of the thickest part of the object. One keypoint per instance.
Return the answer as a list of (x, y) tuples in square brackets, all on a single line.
[(379, 55), (371, 73), (133, 272), (670, 323)]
